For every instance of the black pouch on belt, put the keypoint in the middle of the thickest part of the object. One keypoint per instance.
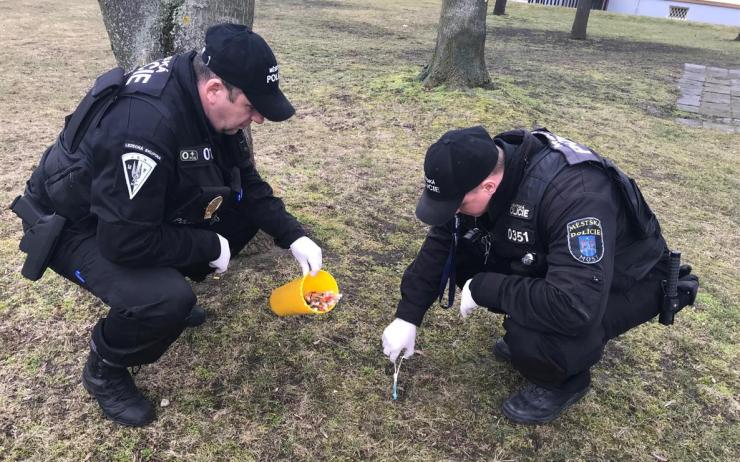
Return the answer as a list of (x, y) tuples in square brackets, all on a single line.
[(41, 233)]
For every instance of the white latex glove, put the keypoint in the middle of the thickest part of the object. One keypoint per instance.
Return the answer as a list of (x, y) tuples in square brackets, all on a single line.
[(222, 262), (308, 255), (398, 336), (467, 304)]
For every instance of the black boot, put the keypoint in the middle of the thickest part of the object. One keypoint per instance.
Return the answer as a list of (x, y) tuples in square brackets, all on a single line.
[(197, 317), (114, 388), (534, 404), (501, 350)]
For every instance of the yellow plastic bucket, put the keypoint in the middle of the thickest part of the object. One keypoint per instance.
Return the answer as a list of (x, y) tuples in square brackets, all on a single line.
[(289, 299)]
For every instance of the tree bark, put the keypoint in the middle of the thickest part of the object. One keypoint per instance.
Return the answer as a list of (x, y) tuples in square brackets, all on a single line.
[(142, 31), (499, 8), (459, 56), (580, 23)]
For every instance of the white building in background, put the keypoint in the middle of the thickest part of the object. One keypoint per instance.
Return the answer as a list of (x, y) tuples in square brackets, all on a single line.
[(724, 12)]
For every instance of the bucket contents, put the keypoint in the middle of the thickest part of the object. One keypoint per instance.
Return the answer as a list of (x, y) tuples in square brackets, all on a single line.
[(322, 301), (316, 295)]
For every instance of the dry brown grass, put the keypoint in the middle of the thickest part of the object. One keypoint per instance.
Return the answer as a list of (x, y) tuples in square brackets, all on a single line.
[(249, 386)]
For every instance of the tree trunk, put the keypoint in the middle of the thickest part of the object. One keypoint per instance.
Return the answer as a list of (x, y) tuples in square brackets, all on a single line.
[(459, 56), (580, 23), (142, 31), (499, 8)]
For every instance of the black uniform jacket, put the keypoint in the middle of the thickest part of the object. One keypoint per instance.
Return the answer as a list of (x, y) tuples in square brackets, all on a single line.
[(578, 233), (147, 172)]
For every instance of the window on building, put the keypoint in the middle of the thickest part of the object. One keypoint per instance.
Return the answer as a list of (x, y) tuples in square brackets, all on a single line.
[(678, 12)]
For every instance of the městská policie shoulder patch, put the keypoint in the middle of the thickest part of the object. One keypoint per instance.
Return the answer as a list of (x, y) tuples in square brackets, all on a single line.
[(585, 240)]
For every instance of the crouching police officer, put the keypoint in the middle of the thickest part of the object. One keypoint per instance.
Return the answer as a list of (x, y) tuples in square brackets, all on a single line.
[(553, 236), (153, 180)]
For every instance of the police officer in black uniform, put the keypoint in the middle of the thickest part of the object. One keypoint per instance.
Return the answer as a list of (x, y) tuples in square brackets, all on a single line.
[(548, 233), (154, 178)]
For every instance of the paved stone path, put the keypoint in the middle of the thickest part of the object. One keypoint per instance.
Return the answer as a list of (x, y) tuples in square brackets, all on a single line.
[(713, 93)]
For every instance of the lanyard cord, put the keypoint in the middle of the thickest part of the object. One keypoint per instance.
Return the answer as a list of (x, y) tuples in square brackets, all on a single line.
[(448, 273), (396, 370)]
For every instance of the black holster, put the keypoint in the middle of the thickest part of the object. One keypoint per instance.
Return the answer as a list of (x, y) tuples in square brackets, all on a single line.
[(41, 233), (62, 179)]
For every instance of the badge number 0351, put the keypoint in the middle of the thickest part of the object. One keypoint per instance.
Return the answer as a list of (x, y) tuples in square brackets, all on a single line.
[(517, 236)]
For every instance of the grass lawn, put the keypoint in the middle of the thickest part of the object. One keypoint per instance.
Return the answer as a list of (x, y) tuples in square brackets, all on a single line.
[(250, 386)]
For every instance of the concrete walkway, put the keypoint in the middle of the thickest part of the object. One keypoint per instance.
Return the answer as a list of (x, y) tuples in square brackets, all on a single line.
[(713, 94)]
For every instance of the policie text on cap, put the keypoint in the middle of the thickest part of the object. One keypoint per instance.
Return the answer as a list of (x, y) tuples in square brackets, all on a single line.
[(243, 58)]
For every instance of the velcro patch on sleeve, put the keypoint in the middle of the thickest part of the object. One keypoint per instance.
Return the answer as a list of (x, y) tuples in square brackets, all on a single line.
[(196, 155), (586, 240), (520, 210)]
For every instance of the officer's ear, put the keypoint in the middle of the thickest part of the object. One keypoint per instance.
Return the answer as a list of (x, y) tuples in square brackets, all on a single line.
[(212, 87), (489, 186)]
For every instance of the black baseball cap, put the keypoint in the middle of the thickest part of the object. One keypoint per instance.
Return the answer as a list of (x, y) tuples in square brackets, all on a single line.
[(455, 165), (243, 58)]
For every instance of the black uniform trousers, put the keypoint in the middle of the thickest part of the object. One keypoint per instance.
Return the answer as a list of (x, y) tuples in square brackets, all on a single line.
[(148, 306), (559, 362)]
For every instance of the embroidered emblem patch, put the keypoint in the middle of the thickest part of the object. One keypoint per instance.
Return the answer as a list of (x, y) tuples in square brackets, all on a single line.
[(137, 168), (586, 240)]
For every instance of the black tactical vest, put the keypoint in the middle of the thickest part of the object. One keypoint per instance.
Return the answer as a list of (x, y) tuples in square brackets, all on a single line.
[(517, 238), (207, 171), (61, 182)]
